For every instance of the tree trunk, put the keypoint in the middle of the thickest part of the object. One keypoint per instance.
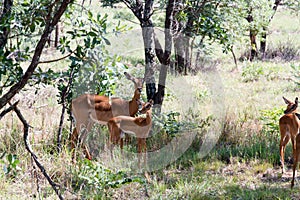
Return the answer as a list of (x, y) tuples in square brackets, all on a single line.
[(4, 30), (56, 39), (252, 36), (152, 46), (187, 37), (148, 35), (188, 54), (263, 42), (253, 52), (167, 52), (179, 54), (144, 16)]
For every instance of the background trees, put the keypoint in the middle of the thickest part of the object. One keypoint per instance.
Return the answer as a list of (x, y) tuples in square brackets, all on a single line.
[(189, 25)]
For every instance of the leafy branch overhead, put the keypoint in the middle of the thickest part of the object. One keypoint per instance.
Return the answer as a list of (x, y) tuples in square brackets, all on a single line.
[(56, 10)]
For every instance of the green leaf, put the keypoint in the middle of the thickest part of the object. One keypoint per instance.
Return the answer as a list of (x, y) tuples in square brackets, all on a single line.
[(93, 34), (90, 14), (32, 27), (107, 42), (10, 158)]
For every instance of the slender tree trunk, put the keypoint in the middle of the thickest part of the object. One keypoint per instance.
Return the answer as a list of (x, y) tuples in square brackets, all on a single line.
[(253, 52), (188, 55), (182, 45), (56, 39), (187, 37), (252, 36), (263, 42), (5, 29), (144, 16), (179, 53), (178, 39), (167, 53), (234, 57), (148, 35)]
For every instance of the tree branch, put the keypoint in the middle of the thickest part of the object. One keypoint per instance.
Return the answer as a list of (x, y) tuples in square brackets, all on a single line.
[(55, 60), (4, 112), (32, 154), (65, 93), (4, 30)]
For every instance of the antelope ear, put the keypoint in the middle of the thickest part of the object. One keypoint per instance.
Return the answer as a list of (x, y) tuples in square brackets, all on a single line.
[(143, 81), (296, 100), (151, 101), (287, 101), (128, 76)]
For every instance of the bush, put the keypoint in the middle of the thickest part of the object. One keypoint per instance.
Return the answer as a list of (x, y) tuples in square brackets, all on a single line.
[(124, 15), (296, 74), (94, 180), (264, 145), (286, 51), (252, 72)]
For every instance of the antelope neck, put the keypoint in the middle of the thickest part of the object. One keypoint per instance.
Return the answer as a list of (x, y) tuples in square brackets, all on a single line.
[(133, 105)]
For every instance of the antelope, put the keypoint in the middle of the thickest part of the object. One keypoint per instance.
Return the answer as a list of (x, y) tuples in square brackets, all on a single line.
[(296, 159), (101, 108), (289, 127), (137, 126)]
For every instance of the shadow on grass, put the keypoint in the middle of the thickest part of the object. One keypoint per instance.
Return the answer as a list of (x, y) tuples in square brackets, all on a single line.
[(260, 193), (264, 192)]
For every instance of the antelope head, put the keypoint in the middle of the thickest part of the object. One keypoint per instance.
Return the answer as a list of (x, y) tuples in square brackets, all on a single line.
[(138, 82), (146, 106), (291, 106)]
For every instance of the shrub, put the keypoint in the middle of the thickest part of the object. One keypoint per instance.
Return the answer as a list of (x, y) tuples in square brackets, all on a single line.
[(10, 165), (252, 72), (124, 15), (296, 74), (286, 51), (94, 180)]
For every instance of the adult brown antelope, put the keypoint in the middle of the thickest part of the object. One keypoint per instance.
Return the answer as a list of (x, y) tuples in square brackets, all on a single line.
[(289, 128), (137, 126), (296, 157), (101, 108)]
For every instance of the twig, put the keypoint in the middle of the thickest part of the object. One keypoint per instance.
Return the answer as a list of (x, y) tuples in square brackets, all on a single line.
[(36, 177), (33, 156), (65, 93), (234, 57), (4, 112), (55, 60), (3, 154)]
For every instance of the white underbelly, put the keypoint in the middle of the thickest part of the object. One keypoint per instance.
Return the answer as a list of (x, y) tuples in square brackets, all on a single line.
[(100, 122)]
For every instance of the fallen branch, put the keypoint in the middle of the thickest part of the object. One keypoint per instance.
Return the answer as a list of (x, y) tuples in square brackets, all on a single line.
[(33, 156)]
